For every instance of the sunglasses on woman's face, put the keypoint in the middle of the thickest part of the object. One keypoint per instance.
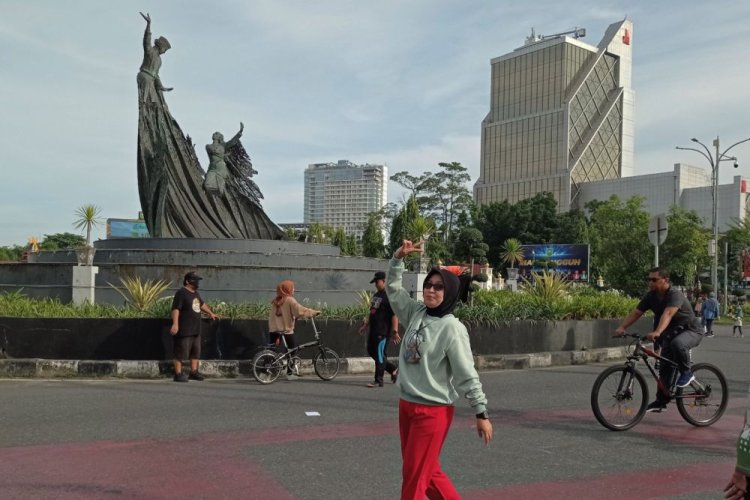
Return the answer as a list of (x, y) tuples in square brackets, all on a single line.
[(438, 287)]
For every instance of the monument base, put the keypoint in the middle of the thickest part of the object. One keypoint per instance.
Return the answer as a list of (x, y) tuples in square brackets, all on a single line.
[(233, 271)]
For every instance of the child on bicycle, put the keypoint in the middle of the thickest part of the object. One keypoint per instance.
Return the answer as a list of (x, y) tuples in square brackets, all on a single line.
[(281, 319), (676, 329)]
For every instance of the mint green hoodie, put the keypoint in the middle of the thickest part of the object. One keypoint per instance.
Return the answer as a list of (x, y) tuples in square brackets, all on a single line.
[(446, 366)]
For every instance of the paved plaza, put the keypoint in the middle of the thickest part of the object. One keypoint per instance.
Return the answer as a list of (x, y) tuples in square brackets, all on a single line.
[(308, 439)]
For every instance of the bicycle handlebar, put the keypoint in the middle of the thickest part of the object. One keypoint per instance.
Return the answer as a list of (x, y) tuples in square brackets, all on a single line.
[(633, 335)]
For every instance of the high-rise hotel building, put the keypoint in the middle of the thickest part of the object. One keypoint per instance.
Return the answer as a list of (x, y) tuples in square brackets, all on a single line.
[(561, 114), (343, 194)]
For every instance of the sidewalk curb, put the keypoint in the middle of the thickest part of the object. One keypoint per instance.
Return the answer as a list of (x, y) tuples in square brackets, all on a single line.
[(51, 368)]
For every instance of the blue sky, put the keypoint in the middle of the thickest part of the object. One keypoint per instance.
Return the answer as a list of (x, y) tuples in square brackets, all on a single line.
[(404, 83)]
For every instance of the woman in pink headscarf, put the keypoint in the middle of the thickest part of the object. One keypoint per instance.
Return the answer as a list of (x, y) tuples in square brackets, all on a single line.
[(284, 312)]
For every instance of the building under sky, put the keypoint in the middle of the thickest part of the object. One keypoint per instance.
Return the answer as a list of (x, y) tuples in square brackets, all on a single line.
[(343, 194), (561, 114)]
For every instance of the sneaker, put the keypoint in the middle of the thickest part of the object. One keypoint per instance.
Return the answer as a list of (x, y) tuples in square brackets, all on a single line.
[(375, 384), (656, 407), (685, 379), (394, 375), (292, 376), (196, 376), (180, 377), (710, 334)]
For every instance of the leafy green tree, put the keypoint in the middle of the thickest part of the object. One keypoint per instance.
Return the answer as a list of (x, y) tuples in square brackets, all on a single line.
[(685, 251), (620, 250), (535, 220), (373, 243), (11, 253), (495, 220), (738, 239), (446, 196), (470, 246), (318, 233), (413, 183), (401, 224), (60, 241)]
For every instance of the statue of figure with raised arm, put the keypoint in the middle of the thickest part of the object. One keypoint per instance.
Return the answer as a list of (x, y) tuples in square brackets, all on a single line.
[(177, 201)]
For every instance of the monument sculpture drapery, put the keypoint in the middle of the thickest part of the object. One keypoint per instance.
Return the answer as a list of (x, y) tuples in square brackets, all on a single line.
[(176, 200)]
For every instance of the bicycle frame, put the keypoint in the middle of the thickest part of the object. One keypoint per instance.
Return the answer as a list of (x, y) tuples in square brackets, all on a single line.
[(290, 353), (641, 352)]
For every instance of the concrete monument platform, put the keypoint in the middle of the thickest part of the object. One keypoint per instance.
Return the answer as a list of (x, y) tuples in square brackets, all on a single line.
[(233, 270)]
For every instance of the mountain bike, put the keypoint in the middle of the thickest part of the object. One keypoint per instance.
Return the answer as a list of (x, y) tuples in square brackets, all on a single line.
[(269, 363), (620, 394)]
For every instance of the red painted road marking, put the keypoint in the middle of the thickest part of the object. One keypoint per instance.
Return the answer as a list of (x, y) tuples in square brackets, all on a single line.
[(709, 478), (216, 465)]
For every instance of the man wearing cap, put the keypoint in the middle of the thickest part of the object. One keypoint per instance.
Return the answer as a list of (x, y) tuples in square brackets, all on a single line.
[(382, 323), (186, 327)]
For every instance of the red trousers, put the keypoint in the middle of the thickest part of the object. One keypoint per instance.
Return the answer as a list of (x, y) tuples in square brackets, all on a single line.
[(423, 429)]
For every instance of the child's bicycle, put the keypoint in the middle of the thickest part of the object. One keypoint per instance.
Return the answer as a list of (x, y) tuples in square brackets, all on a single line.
[(620, 394), (269, 363)]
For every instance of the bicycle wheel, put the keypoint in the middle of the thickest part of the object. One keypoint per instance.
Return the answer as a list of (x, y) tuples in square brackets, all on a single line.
[(619, 397), (703, 402), (266, 367), (326, 363)]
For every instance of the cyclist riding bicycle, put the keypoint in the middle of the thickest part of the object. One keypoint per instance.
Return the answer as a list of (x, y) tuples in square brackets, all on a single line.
[(676, 329)]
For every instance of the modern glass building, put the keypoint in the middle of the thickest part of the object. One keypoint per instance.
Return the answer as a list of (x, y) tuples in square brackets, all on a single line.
[(343, 194), (561, 114)]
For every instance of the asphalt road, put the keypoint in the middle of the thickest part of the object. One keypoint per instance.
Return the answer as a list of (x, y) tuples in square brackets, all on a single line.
[(237, 439)]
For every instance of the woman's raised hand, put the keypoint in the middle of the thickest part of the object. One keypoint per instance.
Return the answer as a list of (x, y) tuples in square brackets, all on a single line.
[(147, 17), (408, 247)]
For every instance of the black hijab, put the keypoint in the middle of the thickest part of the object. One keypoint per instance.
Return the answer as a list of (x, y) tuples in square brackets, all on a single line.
[(451, 292)]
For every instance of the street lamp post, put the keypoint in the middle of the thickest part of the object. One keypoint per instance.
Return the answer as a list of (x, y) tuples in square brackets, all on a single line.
[(714, 162)]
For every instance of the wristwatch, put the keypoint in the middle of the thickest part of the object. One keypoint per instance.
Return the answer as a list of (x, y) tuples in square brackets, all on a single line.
[(484, 415)]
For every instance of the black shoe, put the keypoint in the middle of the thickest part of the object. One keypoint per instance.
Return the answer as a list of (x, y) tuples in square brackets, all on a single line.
[(180, 377), (196, 376), (656, 407), (394, 376), (710, 334)]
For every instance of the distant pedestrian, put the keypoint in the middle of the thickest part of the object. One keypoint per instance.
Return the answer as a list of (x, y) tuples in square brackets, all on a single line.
[(710, 312), (379, 325), (738, 314), (282, 317), (698, 308), (186, 327)]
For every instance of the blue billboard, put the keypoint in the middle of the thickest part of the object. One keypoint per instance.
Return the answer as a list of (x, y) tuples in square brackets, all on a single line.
[(126, 228), (572, 261)]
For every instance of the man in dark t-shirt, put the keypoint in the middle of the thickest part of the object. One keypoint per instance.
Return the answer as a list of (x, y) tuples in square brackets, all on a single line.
[(186, 327), (382, 322), (676, 329)]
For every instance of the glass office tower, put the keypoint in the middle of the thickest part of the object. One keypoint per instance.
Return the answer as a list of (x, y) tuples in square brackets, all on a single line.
[(561, 113)]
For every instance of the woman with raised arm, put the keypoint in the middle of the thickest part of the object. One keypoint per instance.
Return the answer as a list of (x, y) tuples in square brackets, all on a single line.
[(149, 84), (435, 365), (218, 173)]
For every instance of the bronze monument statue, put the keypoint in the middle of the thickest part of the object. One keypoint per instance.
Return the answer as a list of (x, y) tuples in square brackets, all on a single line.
[(176, 200)]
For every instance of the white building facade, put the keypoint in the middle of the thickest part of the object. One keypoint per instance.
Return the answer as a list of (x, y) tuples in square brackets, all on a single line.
[(343, 194), (686, 186), (561, 114)]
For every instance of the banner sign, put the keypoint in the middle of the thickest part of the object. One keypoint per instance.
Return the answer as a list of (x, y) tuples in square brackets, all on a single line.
[(126, 228), (572, 261)]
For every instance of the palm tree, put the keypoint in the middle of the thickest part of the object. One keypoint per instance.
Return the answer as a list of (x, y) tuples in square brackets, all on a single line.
[(88, 217), (512, 252)]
